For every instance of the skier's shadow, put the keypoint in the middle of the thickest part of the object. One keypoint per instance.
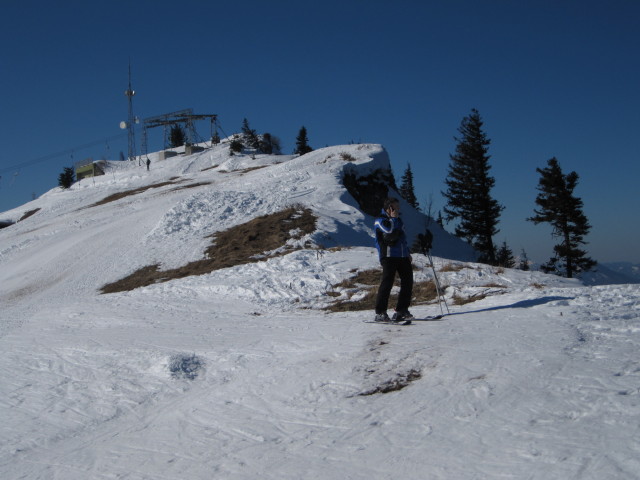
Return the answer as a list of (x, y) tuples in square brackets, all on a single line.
[(522, 304)]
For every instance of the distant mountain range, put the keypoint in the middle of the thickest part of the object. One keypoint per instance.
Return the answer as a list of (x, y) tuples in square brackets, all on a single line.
[(626, 268), (613, 273)]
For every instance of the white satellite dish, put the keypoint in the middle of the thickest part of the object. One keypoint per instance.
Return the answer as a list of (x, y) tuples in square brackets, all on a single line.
[(123, 125)]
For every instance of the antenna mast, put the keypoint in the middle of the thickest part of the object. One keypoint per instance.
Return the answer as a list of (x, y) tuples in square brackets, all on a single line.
[(131, 121)]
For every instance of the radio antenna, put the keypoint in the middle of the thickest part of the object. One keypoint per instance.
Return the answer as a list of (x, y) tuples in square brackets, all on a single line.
[(131, 120)]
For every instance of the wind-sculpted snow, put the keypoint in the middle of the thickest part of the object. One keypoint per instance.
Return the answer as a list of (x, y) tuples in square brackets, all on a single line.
[(194, 216), (242, 374), (199, 216)]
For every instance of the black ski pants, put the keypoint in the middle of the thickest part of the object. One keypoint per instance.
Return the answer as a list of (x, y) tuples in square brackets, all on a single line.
[(391, 266)]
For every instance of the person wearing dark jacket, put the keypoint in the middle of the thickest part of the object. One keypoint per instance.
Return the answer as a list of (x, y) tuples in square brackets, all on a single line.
[(393, 251)]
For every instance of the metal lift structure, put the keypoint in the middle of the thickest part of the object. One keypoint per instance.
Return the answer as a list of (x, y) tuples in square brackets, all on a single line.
[(185, 118)]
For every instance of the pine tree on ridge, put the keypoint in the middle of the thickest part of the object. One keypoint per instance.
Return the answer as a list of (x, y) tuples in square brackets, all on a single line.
[(302, 143), (469, 187), (406, 188), (563, 211)]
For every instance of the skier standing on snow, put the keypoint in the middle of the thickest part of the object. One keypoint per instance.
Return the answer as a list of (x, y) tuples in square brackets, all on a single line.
[(393, 251)]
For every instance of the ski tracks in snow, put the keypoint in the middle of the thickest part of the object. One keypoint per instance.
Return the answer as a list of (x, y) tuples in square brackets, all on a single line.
[(516, 382)]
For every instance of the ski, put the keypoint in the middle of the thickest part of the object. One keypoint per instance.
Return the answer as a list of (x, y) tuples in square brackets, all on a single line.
[(404, 323), (431, 318)]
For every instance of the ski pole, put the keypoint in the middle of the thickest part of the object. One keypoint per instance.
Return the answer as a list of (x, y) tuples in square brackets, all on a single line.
[(426, 241), (439, 291)]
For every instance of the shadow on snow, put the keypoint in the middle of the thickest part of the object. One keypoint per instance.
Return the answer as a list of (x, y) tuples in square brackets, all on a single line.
[(522, 304)]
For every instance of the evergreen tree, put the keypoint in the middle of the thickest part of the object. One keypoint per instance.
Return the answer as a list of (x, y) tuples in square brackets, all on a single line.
[(302, 143), (246, 129), (524, 261), (66, 178), (249, 136), (176, 136), (406, 187), (504, 257), (563, 211), (236, 145), (270, 144), (469, 189)]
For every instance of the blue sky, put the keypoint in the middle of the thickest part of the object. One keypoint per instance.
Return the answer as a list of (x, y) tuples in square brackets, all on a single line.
[(549, 78)]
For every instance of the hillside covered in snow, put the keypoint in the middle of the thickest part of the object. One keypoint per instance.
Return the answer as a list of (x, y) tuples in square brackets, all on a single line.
[(132, 350)]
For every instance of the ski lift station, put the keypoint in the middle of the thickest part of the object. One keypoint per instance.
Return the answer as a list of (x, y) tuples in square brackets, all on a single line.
[(185, 119), (89, 168)]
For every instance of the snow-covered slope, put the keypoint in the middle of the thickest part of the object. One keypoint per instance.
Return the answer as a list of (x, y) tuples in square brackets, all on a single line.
[(169, 223), (239, 374)]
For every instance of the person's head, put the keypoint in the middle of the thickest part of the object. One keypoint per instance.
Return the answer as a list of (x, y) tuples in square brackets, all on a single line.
[(392, 206)]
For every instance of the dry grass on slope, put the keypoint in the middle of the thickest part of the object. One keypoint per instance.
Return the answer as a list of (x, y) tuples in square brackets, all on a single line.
[(117, 196), (246, 243), (135, 191)]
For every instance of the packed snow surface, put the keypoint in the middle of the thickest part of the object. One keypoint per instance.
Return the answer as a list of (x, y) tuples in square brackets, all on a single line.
[(241, 373)]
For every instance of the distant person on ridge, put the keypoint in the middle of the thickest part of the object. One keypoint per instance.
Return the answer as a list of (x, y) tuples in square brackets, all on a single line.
[(393, 251)]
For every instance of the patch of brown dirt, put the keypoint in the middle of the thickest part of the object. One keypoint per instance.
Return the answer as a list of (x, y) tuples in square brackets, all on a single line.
[(246, 243)]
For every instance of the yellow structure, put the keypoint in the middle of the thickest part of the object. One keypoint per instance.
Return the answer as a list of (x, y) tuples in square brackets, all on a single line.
[(90, 169)]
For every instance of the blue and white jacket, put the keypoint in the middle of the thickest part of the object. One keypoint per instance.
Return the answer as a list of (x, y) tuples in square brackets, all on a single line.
[(391, 240)]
